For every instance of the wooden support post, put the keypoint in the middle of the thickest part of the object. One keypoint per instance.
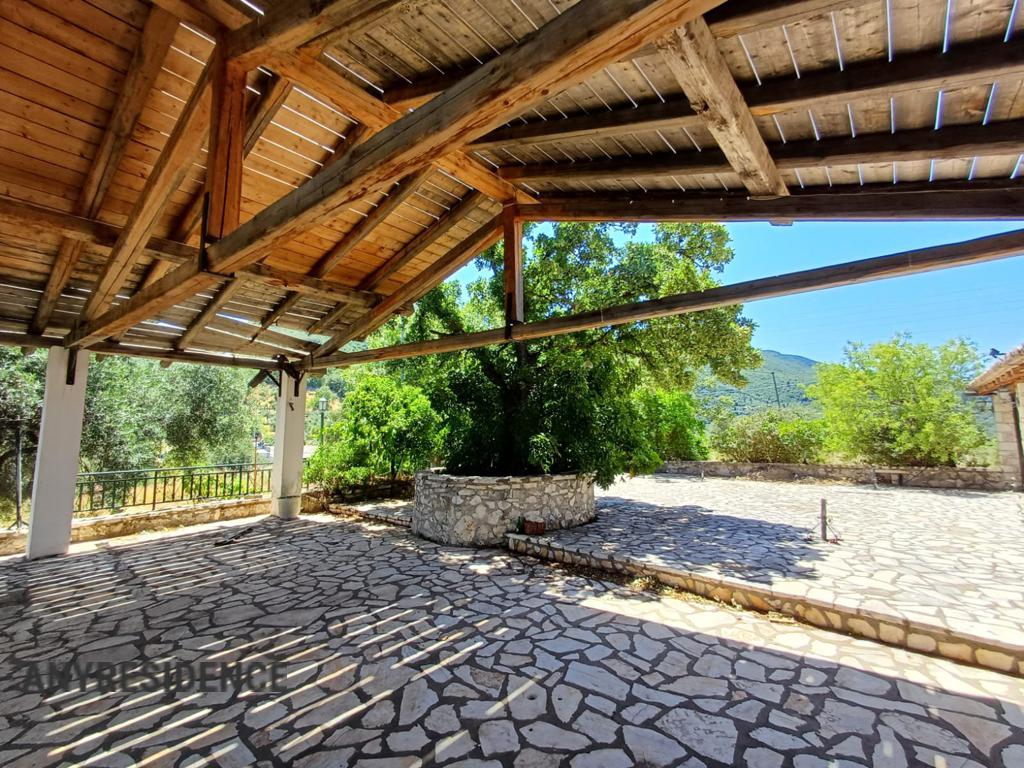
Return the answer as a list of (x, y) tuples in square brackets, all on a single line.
[(512, 229)]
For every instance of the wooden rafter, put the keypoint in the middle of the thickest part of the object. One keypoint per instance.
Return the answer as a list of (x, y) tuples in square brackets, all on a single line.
[(154, 42), (564, 51), (851, 273), (482, 238), (320, 78), (693, 58), (275, 93), (397, 261), (181, 149), (994, 139), (977, 63)]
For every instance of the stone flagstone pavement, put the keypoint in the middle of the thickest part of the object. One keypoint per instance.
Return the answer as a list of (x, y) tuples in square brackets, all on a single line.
[(400, 652), (949, 559)]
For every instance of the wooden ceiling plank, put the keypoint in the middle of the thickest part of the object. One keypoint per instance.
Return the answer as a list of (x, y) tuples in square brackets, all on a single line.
[(423, 240), (182, 147), (147, 60), (290, 24), (692, 56)]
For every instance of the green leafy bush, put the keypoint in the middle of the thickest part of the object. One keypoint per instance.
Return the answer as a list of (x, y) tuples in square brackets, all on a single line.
[(897, 403), (387, 430), (671, 421), (770, 436)]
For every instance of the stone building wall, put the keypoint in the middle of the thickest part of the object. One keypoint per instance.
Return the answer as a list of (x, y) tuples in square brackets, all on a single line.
[(973, 478), (479, 511), (1008, 432)]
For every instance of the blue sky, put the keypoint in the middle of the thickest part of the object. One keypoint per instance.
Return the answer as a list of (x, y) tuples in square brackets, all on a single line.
[(981, 302)]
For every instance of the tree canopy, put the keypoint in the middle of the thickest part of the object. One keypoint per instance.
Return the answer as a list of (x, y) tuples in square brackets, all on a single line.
[(566, 404), (897, 403)]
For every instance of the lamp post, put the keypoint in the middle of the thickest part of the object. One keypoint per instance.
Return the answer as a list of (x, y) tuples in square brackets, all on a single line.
[(321, 405)]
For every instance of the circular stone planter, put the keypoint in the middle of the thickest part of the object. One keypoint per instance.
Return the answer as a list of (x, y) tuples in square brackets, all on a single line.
[(470, 511)]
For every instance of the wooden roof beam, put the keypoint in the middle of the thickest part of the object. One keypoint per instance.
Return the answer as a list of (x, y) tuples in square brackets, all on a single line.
[(180, 150), (701, 70), (1002, 138), (980, 62), (850, 273), (974, 202), (370, 111), (563, 52), (450, 219), (147, 60), (727, 20), (482, 238)]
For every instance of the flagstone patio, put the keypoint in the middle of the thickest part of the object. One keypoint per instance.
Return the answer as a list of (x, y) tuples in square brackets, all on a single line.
[(940, 571), (400, 652)]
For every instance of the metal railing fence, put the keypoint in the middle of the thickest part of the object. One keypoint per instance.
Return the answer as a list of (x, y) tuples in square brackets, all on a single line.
[(116, 490)]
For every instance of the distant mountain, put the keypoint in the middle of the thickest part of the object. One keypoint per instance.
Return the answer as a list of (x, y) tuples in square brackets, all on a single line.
[(792, 374)]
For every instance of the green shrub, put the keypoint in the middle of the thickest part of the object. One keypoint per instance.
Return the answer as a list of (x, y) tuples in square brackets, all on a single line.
[(386, 430), (671, 422), (897, 403), (771, 436)]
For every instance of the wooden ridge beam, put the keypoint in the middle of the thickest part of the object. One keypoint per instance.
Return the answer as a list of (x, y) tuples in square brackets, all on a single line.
[(974, 201), (223, 174), (147, 60), (1002, 138), (422, 241), (179, 152), (850, 273), (701, 70), (975, 63), (482, 238)]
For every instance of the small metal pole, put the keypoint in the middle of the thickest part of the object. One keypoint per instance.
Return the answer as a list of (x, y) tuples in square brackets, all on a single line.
[(824, 520), (156, 473), (17, 475)]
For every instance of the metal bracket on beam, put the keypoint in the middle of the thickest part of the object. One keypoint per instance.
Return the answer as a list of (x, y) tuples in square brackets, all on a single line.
[(72, 368), (286, 366)]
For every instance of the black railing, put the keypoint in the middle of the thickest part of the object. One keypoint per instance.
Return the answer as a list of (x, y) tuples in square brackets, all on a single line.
[(115, 490)]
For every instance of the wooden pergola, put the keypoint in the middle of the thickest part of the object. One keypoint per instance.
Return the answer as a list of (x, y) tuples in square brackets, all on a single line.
[(352, 154), (259, 183)]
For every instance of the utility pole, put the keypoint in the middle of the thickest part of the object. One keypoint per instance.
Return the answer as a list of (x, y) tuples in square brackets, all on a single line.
[(778, 401)]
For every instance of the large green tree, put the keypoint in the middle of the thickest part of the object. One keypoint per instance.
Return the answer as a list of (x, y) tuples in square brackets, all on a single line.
[(566, 404), (901, 404)]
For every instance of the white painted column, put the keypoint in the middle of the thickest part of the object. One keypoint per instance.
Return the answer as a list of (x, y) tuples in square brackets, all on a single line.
[(60, 440), (289, 440)]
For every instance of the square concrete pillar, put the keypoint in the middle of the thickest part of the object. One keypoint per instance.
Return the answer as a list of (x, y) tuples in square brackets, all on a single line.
[(289, 440), (1008, 435), (60, 440)]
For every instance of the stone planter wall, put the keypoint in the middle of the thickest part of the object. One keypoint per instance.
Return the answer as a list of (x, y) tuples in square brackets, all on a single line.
[(479, 511), (973, 478)]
